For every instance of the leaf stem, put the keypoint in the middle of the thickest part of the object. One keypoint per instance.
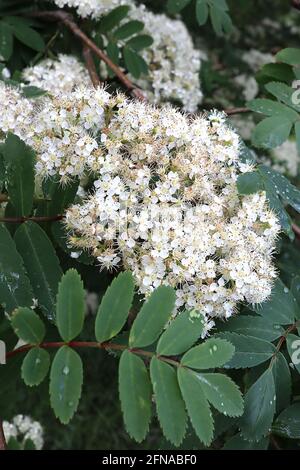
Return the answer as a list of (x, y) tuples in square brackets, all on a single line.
[(2, 437), (20, 220)]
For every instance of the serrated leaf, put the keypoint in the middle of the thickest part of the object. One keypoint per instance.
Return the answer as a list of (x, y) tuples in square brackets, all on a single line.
[(283, 381), (271, 132), (293, 346), (42, 265), (169, 403), (288, 423), (252, 326), (249, 351), (283, 93), (295, 291), (280, 72), (260, 401), (201, 12), (222, 393), (66, 379), (19, 162), (28, 326), (114, 308), (70, 305), (134, 62), (61, 196), (33, 92), (35, 366), (61, 237), (113, 18), (273, 108), (6, 40), (153, 317), (297, 133), (135, 395), (29, 37), (214, 352), (281, 308), (140, 42), (113, 53), (15, 288), (290, 56), (249, 183), (128, 29), (196, 404), (172, 342)]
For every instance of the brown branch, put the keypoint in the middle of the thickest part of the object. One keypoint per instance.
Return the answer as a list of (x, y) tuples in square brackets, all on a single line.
[(90, 65), (296, 230), (20, 220), (68, 21), (92, 344), (232, 111), (2, 437)]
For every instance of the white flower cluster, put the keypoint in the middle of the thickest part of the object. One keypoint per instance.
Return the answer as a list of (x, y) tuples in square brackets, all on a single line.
[(173, 75), (23, 428), (55, 76)]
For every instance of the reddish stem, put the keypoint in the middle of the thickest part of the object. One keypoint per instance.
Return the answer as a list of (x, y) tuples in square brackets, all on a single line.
[(20, 220), (2, 437)]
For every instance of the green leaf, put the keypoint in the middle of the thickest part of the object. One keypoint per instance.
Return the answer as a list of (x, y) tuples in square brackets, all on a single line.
[(271, 132), (295, 291), (169, 403), (66, 378), (283, 381), (293, 346), (237, 442), (289, 56), (35, 366), (273, 108), (61, 196), (113, 53), (196, 404), (201, 12), (172, 342), (134, 62), (19, 161), (28, 326), (260, 402), (128, 29), (280, 72), (41, 263), (29, 37), (33, 92), (135, 395), (6, 40), (222, 393), (60, 235), (114, 308), (289, 193), (297, 132), (252, 326), (249, 183), (288, 422), (15, 288), (283, 93), (108, 22), (281, 308), (249, 351), (214, 352), (70, 305), (153, 317), (137, 43), (175, 6)]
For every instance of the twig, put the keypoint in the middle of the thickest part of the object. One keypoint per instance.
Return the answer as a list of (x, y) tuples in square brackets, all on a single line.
[(90, 64), (68, 21), (232, 111), (2, 437), (20, 220), (296, 230)]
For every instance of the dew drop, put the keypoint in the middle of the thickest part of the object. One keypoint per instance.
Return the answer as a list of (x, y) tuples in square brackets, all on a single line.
[(66, 370)]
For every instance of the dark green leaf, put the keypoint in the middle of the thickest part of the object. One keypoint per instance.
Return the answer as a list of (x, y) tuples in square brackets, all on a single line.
[(289, 56), (214, 352), (114, 308), (28, 326), (237, 442), (175, 6), (70, 305), (252, 326), (108, 22), (273, 108), (35, 366), (6, 40), (135, 395), (134, 62), (201, 11), (288, 422), (271, 132), (249, 183), (153, 316), (169, 403), (66, 378), (41, 263), (140, 42), (128, 29), (283, 381), (29, 37)]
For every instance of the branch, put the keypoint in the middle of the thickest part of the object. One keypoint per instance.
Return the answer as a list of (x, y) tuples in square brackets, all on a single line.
[(296, 230), (91, 344), (2, 437), (232, 111), (68, 21), (20, 220), (90, 64)]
